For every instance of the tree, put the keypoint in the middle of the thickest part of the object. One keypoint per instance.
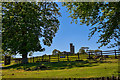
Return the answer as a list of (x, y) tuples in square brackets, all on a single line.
[(31, 53), (6, 53), (106, 17), (82, 51), (91, 51), (97, 52), (25, 24), (56, 52), (85, 48)]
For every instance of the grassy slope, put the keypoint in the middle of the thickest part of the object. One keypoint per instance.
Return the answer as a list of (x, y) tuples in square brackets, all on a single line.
[(92, 70)]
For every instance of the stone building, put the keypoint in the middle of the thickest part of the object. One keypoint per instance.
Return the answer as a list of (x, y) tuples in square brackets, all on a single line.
[(72, 50)]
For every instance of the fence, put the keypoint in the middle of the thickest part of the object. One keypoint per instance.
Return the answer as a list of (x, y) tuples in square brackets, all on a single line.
[(54, 58), (102, 53), (71, 57)]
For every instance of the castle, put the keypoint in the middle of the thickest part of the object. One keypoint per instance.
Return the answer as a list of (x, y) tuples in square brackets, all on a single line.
[(72, 51)]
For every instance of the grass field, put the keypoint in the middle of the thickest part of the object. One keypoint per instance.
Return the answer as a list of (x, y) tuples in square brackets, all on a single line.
[(71, 69)]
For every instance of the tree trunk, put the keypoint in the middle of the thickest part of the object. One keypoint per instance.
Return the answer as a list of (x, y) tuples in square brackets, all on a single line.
[(24, 58)]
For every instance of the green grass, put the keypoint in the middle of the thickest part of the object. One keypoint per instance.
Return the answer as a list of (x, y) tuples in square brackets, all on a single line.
[(1, 61), (73, 69), (52, 65)]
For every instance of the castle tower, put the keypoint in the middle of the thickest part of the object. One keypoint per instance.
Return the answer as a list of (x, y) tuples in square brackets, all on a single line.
[(71, 48)]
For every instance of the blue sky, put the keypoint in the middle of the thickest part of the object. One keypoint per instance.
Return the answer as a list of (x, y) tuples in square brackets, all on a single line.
[(71, 33)]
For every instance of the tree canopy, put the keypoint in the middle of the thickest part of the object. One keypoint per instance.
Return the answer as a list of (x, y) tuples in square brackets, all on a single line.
[(56, 52), (82, 51), (27, 24), (85, 48), (103, 17)]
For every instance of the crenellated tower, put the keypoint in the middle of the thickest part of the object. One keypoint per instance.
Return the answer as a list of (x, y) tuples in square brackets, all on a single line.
[(72, 48)]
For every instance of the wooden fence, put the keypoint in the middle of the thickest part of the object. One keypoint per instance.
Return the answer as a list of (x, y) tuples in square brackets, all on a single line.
[(73, 57), (113, 52)]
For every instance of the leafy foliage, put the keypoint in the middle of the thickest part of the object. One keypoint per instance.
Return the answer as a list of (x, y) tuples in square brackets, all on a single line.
[(55, 52), (85, 48), (25, 24), (96, 52), (82, 51), (106, 17), (30, 53)]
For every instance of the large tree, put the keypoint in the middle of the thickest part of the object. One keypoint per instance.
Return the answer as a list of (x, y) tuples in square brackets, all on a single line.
[(82, 51), (56, 52), (103, 17), (25, 24)]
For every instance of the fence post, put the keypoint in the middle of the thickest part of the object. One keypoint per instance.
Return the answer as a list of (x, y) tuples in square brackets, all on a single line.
[(117, 78), (45, 57), (58, 57), (42, 58), (37, 58), (108, 78), (78, 56), (115, 54), (113, 77), (49, 58), (67, 57), (33, 59), (89, 55), (102, 78), (7, 60), (19, 61), (29, 60), (101, 55)]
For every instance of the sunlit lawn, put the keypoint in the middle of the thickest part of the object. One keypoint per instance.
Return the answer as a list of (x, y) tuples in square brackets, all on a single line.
[(73, 69)]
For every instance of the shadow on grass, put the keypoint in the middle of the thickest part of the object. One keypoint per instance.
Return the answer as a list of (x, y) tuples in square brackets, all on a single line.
[(52, 65)]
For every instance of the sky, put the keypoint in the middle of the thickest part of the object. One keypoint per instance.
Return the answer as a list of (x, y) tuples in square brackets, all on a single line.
[(71, 33)]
